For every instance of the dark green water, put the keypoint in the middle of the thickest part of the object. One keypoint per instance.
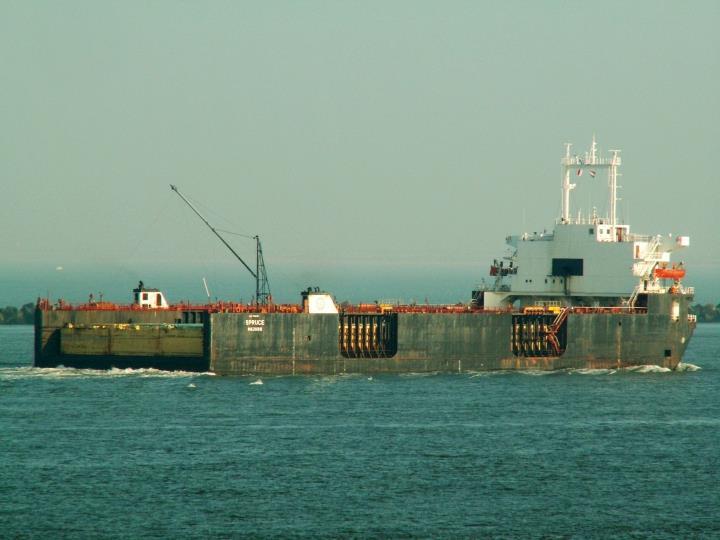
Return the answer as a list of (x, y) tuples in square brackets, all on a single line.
[(599, 454)]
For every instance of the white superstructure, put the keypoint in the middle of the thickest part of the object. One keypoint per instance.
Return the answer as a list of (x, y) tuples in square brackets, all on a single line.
[(317, 301), (589, 260), (149, 298)]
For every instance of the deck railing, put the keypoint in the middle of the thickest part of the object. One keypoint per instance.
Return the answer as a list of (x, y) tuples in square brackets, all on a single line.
[(230, 307)]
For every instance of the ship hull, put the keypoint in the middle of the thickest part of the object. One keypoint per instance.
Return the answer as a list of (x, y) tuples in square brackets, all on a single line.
[(300, 343)]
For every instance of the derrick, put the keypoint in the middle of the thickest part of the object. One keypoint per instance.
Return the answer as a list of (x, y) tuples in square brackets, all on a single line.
[(262, 285)]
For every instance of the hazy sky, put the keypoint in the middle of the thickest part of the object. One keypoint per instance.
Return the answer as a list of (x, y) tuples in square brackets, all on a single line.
[(373, 135)]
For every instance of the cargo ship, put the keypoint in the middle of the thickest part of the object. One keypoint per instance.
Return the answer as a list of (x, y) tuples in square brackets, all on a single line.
[(588, 294)]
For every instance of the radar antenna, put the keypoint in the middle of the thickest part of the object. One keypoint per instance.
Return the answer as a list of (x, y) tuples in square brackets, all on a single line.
[(262, 285)]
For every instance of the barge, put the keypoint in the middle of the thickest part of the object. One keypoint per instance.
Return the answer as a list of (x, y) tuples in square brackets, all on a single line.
[(588, 294)]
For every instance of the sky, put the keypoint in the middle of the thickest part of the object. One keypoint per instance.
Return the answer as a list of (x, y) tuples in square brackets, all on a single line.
[(378, 148)]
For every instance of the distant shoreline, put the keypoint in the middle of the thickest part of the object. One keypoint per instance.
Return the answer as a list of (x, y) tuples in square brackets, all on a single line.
[(24, 314)]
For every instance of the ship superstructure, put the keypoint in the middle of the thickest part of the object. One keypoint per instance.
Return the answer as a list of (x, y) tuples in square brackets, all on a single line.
[(585, 260), (589, 294)]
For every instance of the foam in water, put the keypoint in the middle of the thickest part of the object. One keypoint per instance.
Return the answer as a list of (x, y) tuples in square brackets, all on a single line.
[(474, 374), (537, 372), (589, 371), (647, 369), (529, 372), (593, 371), (687, 367), (64, 372), (340, 377)]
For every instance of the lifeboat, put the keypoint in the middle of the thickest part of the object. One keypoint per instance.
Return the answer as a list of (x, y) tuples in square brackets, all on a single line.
[(670, 273)]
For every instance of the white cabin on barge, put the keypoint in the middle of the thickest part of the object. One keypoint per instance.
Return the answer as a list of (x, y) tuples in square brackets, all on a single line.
[(149, 298)]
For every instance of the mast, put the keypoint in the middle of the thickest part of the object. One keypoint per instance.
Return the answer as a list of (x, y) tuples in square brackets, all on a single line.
[(262, 285), (591, 162), (612, 173), (566, 185)]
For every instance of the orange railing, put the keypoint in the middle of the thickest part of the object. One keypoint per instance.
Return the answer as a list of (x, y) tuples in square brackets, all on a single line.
[(217, 307), (234, 307)]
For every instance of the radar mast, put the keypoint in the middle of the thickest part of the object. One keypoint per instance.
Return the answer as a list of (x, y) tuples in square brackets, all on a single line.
[(592, 163)]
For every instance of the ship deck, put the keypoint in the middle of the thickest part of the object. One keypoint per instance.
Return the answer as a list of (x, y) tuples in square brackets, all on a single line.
[(344, 308)]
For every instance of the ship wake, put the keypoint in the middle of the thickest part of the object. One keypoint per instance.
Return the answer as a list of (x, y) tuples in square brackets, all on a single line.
[(641, 370), (74, 373)]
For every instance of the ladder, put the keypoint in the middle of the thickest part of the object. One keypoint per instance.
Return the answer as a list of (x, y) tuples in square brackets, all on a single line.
[(650, 260)]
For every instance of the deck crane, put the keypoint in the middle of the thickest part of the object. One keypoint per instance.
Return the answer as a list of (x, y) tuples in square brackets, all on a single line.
[(262, 285)]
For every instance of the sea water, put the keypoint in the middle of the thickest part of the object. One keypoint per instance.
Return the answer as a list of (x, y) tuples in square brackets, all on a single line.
[(150, 454)]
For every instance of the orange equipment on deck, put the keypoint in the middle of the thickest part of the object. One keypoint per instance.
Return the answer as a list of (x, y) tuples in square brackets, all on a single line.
[(670, 273)]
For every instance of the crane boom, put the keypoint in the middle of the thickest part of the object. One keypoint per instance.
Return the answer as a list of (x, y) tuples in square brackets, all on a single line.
[(262, 287)]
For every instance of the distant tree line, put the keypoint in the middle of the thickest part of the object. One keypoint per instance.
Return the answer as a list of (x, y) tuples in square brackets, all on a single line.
[(13, 315), (706, 312)]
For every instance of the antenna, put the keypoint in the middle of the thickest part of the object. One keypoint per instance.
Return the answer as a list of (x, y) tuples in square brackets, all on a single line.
[(207, 291), (262, 286)]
